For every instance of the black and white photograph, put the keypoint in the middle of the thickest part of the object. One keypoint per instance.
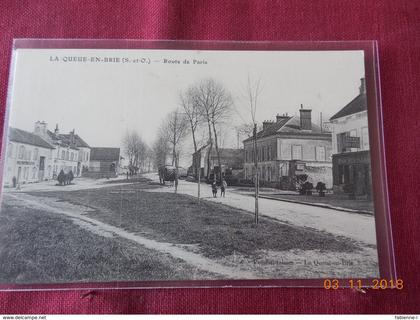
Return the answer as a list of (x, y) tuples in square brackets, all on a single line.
[(160, 165)]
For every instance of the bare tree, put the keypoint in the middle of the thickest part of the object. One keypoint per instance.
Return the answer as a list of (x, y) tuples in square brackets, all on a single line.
[(176, 129), (253, 91), (176, 125), (190, 105), (160, 148), (244, 130), (215, 103), (135, 149)]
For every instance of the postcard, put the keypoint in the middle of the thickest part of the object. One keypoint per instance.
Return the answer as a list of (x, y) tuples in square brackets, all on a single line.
[(186, 164)]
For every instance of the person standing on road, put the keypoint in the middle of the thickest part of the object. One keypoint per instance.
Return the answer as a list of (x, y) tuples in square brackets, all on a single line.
[(223, 188), (214, 189)]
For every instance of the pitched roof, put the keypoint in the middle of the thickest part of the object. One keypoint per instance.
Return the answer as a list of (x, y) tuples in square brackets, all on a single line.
[(21, 136), (293, 126), (105, 154), (78, 142), (358, 104), (287, 125), (59, 140), (228, 152)]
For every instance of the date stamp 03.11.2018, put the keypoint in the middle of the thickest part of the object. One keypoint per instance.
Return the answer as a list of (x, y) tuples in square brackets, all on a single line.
[(376, 284)]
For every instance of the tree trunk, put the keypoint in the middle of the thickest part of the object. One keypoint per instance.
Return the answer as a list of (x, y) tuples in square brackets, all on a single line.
[(210, 150), (193, 137), (173, 155), (257, 182), (174, 141), (176, 173), (217, 151)]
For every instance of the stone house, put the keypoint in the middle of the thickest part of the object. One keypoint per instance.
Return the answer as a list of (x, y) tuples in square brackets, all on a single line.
[(231, 160), (289, 148), (104, 163), (351, 151), (28, 158), (71, 152)]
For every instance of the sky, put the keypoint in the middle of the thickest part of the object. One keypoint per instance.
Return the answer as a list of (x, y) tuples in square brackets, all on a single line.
[(103, 93)]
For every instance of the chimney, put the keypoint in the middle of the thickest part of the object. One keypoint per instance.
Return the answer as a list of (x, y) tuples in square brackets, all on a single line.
[(362, 87), (281, 117), (56, 131), (266, 124), (40, 128), (305, 118), (72, 139)]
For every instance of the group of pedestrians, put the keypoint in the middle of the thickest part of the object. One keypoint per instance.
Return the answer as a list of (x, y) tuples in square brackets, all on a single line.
[(65, 178), (223, 187)]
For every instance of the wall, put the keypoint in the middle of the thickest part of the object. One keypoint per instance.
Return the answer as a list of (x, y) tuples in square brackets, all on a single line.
[(355, 122), (28, 163), (65, 161), (84, 159), (284, 149)]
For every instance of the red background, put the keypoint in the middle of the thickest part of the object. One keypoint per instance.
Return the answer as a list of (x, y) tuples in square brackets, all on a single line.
[(396, 26)]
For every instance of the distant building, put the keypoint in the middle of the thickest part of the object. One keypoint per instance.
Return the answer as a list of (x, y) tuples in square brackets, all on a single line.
[(71, 152), (351, 155), (42, 154), (28, 158), (104, 162), (231, 160), (289, 148), (83, 157)]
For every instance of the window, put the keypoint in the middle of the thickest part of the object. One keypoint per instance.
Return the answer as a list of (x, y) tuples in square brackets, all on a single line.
[(263, 153), (10, 150), (63, 154), (67, 155), (365, 138), (340, 174), (21, 154), (341, 142), (296, 152), (35, 154), (320, 153), (33, 172)]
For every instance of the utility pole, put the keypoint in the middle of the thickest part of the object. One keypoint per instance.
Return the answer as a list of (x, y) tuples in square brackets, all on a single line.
[(256, 173), (237, 144), (176, 172), (199, 178)]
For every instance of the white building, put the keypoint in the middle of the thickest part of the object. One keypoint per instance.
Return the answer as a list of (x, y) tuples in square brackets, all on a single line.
[(288, 150), (41, 155), (351, 155), (28, 158), (71, 152)]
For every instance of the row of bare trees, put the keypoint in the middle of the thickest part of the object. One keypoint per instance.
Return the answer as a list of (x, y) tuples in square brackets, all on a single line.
[(205, 106), (209, 104), (138, 153)]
